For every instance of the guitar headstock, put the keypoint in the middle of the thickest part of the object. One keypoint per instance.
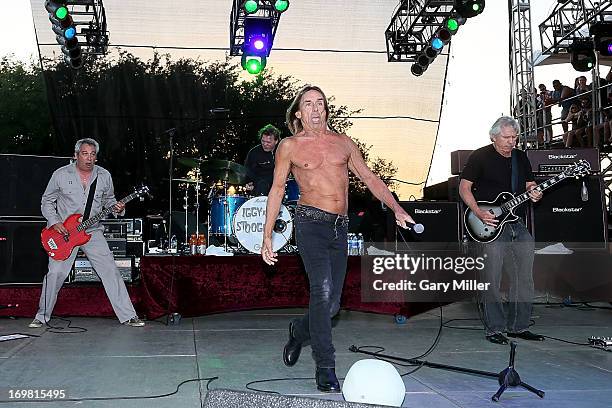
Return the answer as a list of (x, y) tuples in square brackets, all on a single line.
[(141, 191), (579, 169)]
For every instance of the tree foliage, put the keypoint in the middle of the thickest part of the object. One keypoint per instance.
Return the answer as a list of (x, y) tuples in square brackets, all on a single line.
[(136, 108)]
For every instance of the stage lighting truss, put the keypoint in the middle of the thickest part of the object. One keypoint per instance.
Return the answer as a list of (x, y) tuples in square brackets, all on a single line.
[(413, 27), (88, 35), (263, 13), (571, 20)]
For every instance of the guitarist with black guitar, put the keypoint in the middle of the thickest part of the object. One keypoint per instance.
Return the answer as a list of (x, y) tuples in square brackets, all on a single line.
[(84, 188), (506, 244)]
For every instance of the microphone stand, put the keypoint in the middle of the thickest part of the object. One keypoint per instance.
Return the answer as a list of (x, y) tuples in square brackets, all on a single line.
[(508, 377), (170, 133)]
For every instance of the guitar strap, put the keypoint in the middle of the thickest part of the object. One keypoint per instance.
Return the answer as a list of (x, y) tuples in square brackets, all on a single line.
[(92, 190), (515, 172)]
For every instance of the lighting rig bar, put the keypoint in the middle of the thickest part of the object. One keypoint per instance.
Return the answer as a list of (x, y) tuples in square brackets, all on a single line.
[(238, 15), (571, 20), (412, 26)]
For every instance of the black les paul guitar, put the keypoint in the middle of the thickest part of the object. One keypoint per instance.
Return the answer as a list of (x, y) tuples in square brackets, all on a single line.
[(504, 204)]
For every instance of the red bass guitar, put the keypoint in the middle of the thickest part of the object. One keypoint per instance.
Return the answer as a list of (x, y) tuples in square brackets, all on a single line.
[(59, 247)]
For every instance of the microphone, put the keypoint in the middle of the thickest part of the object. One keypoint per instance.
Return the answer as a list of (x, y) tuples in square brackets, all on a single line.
[(584, 193), (417, 228)]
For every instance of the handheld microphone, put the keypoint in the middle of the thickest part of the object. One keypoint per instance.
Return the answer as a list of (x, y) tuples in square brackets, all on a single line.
[(584, 192), (417, 228)]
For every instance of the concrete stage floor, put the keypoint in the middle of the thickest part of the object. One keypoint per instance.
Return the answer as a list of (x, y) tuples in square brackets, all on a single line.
[(110, 360)]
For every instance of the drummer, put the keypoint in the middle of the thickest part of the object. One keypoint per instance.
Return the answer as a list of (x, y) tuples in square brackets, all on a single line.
[(260, 161)]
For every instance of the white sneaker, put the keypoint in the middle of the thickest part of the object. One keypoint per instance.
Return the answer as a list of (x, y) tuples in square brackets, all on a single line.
[(134, 322), (36, 324)]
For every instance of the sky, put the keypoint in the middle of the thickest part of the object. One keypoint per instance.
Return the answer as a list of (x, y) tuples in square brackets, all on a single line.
[(476, 91)]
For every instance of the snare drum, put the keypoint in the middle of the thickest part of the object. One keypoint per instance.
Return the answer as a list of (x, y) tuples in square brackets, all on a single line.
[(249, 222), (218, 211), (292, 192)]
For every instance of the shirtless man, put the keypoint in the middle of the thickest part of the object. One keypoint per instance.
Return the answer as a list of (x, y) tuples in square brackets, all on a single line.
[(319, 160)]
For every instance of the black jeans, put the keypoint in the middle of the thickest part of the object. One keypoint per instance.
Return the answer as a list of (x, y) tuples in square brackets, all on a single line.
[(512, 253), (321, 240)]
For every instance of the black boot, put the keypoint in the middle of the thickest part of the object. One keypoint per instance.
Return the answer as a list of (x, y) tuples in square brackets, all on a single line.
[(327, 380), (292, 350)]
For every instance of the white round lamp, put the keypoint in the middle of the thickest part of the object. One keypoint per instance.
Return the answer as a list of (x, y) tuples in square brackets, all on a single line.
[(374, 382)]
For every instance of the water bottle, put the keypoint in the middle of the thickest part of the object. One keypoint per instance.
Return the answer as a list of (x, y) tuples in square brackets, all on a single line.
[(193, 244), (355, 245), (172, 249), (360, 244)]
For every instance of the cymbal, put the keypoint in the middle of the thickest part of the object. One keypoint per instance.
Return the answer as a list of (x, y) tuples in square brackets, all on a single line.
[(217, 164), (190, 161), (191, 181)]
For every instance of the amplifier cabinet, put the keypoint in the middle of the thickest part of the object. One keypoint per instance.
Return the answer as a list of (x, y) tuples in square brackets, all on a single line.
[(440, 219), (118, 246), (84, 272), (571, 213), (554, 161), (22, 258), (458, 160), (25, 178)]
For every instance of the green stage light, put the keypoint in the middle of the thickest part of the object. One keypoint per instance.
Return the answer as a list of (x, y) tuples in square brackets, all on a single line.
[(61, 13), (253, 66), (452, 25), (281, 5), (251, 6)]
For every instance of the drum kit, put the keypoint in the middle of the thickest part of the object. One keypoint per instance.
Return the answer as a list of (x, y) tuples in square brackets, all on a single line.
[(236, 218)]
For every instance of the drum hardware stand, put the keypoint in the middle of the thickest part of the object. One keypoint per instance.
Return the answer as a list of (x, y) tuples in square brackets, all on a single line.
[(197, 192), (208, 225), (170, 132), (508, 377), (186, 206), (225, 215)]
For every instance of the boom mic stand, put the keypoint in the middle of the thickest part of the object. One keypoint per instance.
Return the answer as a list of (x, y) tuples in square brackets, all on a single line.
[(508, 377), (170, 132)]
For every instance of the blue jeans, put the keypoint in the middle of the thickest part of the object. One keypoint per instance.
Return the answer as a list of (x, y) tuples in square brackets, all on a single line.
[(321, 239), (511, 253)]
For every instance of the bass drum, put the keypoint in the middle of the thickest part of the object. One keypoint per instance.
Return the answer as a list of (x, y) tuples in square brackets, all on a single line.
[(249, 222), (220, 217)]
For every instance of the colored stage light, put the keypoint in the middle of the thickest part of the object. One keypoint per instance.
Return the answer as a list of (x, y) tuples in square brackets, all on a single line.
[(69, 33), (437, 44), (259, 44), (469, 8), (66, 34), (583, 54), (253, 64), (281, 5), (251, 6), (452, 24)]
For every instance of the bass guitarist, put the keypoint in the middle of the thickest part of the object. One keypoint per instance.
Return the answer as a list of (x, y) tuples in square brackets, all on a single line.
[(489, 172), (67, 193)]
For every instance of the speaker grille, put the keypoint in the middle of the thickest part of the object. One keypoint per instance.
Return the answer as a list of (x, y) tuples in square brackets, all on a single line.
[(22, 257), (566, 215)]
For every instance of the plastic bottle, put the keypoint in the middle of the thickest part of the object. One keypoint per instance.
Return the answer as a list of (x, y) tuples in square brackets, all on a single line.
[(172, 249), (193, 244), (360, 244), (201, 244)]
